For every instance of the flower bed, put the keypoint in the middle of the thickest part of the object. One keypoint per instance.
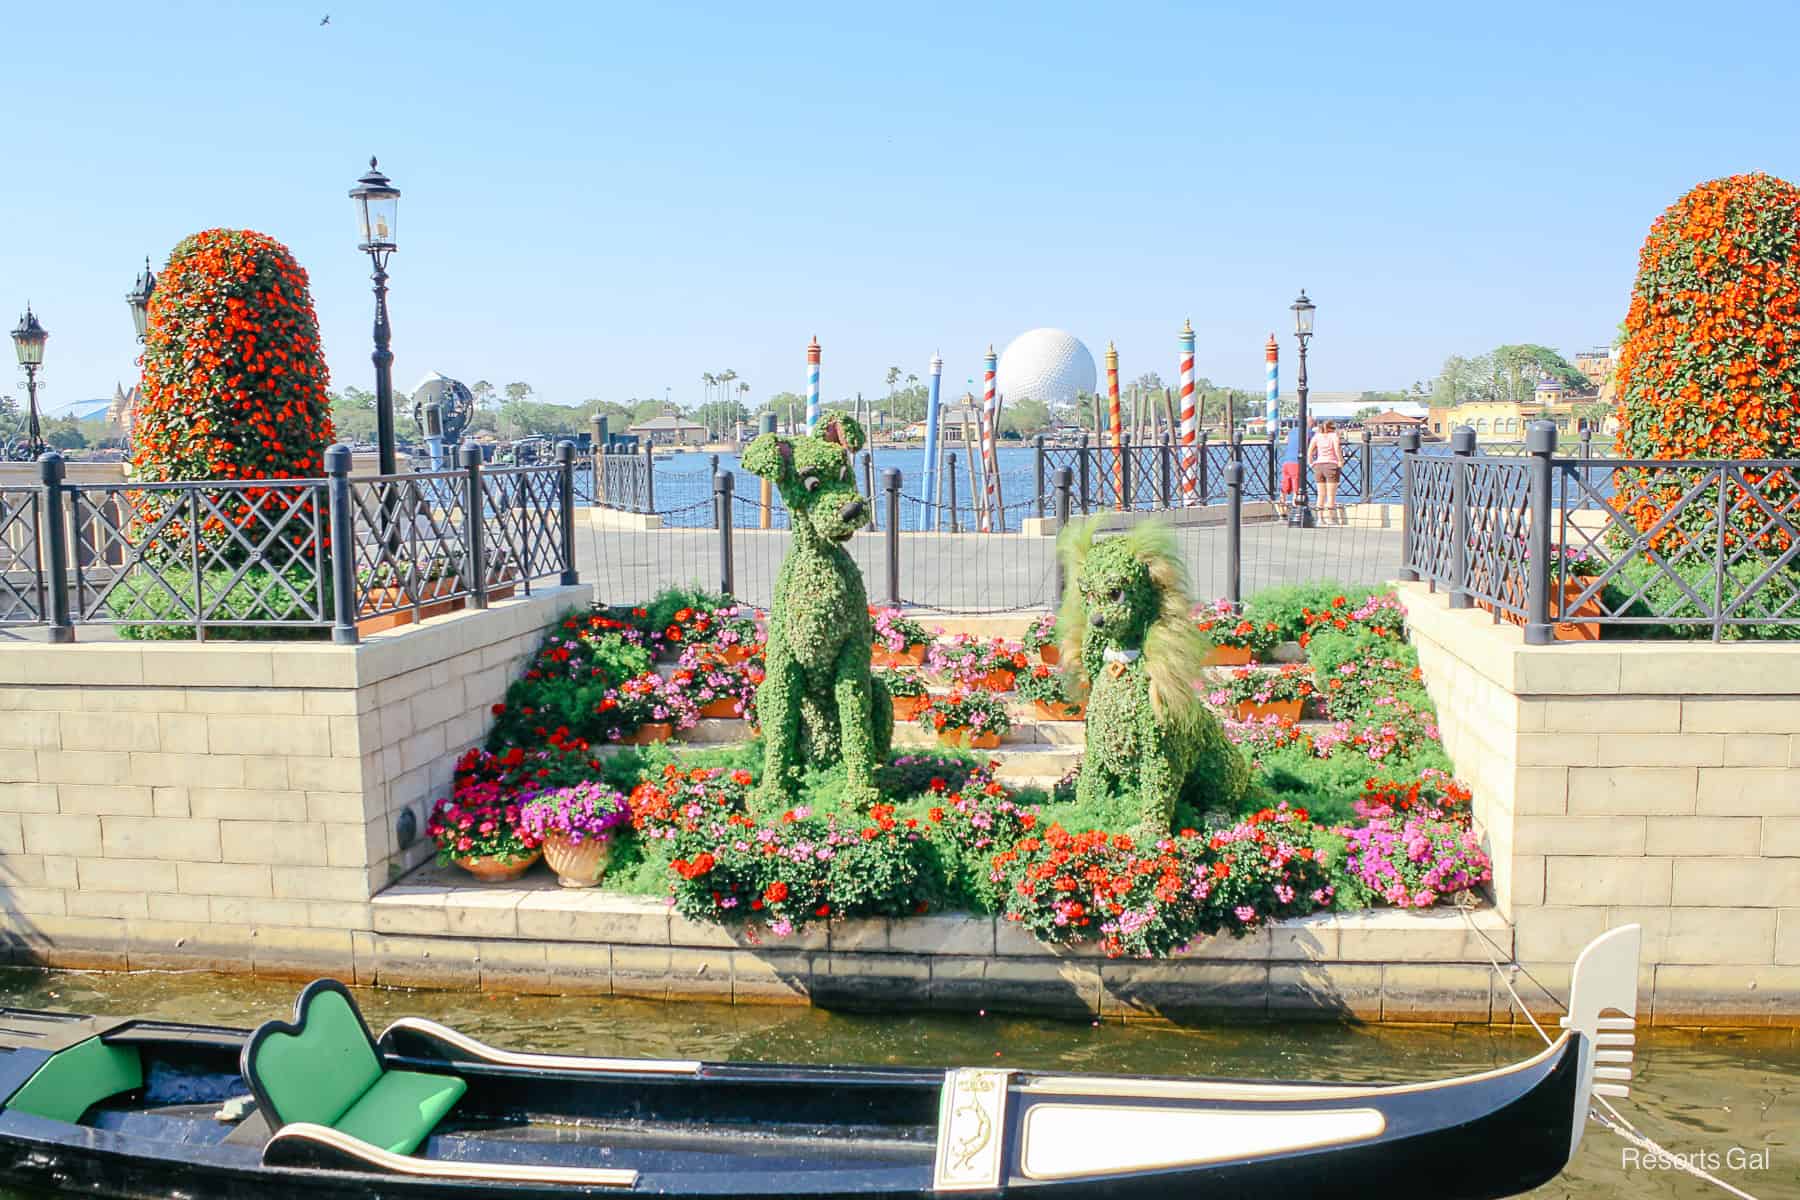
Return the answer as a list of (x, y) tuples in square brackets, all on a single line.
[(898, 638), (975, 717), (992, 663), (1249, 693), (1356, 809), (1231, 631), (1049, 691)]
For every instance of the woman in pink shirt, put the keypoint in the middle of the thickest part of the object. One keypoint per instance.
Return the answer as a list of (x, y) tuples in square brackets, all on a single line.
[(1326, 457)]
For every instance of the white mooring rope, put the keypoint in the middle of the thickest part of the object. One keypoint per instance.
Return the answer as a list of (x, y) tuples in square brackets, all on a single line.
[(1616, 1122)]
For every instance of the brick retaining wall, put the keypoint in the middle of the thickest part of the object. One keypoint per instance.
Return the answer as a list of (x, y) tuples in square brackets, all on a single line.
[(165, 801), (1655, 782)]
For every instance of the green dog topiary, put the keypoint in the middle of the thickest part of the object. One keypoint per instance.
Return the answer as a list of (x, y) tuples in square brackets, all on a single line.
[(1151, 741), (818, 702)]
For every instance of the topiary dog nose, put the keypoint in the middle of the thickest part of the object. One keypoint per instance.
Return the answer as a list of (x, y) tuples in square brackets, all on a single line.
[(852, 511)]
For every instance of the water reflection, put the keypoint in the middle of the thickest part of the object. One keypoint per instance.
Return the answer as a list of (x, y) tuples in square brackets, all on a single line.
[(1694, 1093)]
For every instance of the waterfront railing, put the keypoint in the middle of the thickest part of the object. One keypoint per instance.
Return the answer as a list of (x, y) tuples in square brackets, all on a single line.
[(1638, 547), (276, 557)]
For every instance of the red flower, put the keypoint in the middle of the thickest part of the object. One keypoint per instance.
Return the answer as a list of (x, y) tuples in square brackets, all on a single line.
[(776, 892)]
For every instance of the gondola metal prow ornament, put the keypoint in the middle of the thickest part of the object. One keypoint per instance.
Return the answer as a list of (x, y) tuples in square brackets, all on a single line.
[(1604, 980)]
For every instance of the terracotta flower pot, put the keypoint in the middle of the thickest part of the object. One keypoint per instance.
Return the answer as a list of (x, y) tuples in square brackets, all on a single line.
[(996, 681), (1562, 596), (914, 654), (907, 708), (1059, 710), (578, 866), (724, 706), (964, 736), (492, 869), (1229, 656), (1287, 710), (1051, 653), (645, 735), (432, 603), (735, 653), (1576, 631)]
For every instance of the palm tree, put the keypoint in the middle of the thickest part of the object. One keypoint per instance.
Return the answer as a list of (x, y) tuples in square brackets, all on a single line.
[(725, 378)]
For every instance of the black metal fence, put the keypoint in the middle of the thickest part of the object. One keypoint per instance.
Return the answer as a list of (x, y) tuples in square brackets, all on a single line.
[(209, 556), (1669, 548), (1230, 551)]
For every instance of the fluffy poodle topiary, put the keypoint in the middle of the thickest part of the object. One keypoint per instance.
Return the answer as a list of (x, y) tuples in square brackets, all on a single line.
[(819, 703), (1127, 636)]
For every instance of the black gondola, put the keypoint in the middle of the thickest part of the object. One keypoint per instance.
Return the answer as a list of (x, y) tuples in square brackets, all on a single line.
[(319, 1108)]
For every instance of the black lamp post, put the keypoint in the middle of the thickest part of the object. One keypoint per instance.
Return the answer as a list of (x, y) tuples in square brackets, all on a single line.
[(28, 340), (139, 299), (376, 203), (1302, 517)]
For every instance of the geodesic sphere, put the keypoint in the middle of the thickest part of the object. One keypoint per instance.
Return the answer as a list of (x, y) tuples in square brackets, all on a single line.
[(1045, 364)]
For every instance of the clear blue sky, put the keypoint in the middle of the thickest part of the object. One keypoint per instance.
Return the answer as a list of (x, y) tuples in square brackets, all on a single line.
[(609, 199)]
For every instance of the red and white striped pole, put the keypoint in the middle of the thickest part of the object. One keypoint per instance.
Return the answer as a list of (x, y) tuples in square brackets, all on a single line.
[(1190, 420)]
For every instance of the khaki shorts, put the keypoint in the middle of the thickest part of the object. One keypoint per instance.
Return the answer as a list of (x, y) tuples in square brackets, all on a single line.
[(1328, 472)]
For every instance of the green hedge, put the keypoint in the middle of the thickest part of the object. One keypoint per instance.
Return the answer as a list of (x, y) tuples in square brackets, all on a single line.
[(1664, 598), (257, 596)]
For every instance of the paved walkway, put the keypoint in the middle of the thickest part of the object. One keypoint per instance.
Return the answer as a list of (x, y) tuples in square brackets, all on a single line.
[(975, 572)]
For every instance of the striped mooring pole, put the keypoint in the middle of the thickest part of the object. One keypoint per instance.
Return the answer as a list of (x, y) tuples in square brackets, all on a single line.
[(812, 387), (1190, 420), (928, 516), (1117, 429), (989, 369), (1272, 363)]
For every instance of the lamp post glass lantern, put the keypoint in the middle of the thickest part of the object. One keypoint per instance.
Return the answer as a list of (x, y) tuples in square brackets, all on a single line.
[(28, 340), (1301, 516), (139, 298), (377, 206)]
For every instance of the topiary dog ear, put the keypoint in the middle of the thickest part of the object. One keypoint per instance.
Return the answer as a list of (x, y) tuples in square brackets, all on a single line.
[(769, 457), (846, 432)]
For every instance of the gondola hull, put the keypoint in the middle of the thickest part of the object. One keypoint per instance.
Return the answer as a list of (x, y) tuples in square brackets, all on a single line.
[(772, 1131), (305, 1110)]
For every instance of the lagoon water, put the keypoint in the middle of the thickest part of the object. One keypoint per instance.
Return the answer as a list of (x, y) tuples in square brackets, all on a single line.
[(1694, 1093)]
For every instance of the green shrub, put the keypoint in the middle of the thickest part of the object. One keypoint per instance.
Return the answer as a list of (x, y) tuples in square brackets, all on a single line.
[(661, 611), (1329, 788), (258, 595), (1662, 596), (1354, 668), (1282, 606)]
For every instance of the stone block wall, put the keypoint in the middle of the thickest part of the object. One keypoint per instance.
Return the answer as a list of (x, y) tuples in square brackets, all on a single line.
[(1649, 782), (233, 805)]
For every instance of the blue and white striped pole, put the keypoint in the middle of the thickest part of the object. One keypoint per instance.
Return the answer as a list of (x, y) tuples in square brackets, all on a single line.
[(812, 387), (928, 519), (1272, 360)]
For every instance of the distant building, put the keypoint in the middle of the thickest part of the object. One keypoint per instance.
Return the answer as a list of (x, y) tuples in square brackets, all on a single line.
[(1504, 421), (1596, 364), (669, 430), (1392, 424), (121, 410)]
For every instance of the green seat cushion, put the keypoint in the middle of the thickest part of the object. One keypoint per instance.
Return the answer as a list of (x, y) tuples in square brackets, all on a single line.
[(73, 1079), (401, 1109), (317, 1074)]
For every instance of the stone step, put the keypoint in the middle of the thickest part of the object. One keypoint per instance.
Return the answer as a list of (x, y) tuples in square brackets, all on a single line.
[(1050, 733), (1028, 755)]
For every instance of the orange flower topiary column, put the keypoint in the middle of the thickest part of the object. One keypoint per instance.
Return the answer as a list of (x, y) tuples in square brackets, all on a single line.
[(234, 378), (1710, 365)]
